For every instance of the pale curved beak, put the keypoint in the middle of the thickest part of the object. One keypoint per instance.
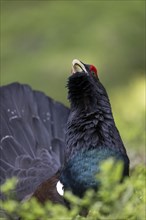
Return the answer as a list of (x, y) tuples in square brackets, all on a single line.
[(78, 66)]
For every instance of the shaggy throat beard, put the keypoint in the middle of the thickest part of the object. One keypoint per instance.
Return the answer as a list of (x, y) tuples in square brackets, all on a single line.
[(81, 91)]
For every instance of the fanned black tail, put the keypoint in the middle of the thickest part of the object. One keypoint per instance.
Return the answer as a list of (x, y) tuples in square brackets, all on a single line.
[(32, 133)]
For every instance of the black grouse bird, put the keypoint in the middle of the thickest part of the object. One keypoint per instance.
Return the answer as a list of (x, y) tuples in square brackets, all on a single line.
[(46, 145)]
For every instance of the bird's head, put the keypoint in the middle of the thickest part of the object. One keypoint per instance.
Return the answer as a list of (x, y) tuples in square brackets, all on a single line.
[(79, 67), (84, 87)]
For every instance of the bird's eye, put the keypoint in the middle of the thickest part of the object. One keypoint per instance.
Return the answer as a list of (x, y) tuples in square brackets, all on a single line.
[(94, 74), (93, 71)]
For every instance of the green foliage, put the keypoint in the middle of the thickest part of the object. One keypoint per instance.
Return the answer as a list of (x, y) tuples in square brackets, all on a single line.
[(8, 186), (113, 201)]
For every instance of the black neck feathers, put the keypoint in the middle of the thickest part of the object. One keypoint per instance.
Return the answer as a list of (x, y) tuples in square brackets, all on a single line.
[(91, 122)]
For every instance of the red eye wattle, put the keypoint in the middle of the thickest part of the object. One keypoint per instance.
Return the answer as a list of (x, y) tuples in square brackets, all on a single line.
[(93, 70)]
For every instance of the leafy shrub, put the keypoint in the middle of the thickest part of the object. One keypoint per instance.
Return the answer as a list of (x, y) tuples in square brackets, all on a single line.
[(113, 201)]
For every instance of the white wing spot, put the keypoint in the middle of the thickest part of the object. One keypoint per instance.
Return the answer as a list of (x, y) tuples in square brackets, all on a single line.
[(59, 187)]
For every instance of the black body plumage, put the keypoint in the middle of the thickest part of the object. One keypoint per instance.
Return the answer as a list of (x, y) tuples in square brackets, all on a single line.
[(91, 136)]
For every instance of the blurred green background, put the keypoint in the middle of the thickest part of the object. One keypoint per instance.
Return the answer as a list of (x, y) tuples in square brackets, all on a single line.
[(39, 39)]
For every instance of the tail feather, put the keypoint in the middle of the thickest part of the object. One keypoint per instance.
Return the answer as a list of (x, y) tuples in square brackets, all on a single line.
[(24, 135), (58, 149), (32, 135), (50, 113), (3, 174), (9, 151), (40, 132), (23, 161)]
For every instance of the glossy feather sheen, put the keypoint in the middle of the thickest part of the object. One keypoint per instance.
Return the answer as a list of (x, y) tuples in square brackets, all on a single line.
[(79, 174)]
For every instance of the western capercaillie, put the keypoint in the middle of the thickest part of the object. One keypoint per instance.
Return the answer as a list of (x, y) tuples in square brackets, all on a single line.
[(45, 144), (91, 135)]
